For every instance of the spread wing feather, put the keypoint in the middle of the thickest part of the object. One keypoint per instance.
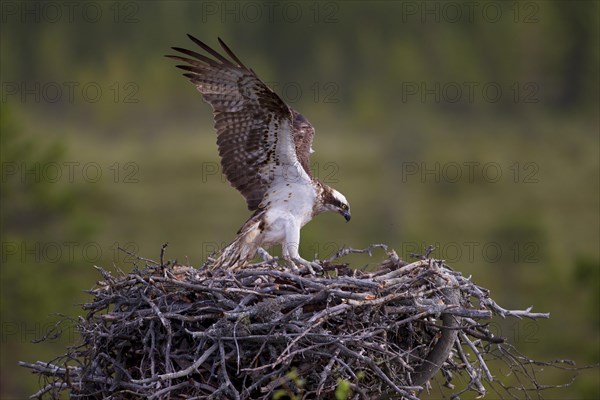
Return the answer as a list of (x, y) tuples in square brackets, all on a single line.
[(258, 135)]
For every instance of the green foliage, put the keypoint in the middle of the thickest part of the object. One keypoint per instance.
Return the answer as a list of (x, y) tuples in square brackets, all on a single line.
[(38, 217), (343, 391), (368, 129), (293, 387)]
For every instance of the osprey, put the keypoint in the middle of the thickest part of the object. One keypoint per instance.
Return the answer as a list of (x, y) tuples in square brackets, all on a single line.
[(265, 147)]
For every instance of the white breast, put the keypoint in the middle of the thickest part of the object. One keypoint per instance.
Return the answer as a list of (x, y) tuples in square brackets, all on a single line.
[(289, 207)]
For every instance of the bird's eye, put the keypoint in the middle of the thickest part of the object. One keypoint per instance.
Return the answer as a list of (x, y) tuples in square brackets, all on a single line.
[(344, 206)]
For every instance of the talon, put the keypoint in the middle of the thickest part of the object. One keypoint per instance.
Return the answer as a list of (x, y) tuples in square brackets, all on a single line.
[(291, 264), (266, 257), (311, 266)]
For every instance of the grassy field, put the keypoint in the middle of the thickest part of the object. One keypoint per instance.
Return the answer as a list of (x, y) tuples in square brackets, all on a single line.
[(529, 234), (507, 188)]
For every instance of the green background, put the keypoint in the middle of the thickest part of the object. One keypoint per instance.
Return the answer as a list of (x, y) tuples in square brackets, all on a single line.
[(470, 126)]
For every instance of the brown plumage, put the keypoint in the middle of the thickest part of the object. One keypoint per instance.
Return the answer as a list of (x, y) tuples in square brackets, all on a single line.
[(247, 117), (265, 151)]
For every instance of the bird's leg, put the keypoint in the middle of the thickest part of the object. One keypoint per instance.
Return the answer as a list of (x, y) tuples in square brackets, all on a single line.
[(291, 255), (290, 246), (310, 265), (290, 263)]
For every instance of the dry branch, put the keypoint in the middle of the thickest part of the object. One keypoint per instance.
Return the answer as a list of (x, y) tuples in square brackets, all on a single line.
[(172, 331)]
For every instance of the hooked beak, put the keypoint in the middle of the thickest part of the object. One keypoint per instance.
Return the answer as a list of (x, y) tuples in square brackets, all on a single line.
[(346, 215)]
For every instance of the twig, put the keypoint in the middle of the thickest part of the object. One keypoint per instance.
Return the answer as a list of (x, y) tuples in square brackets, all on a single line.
[(179, 332)]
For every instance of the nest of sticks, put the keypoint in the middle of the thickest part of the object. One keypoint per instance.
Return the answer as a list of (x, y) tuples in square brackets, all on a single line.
[(269, 331)]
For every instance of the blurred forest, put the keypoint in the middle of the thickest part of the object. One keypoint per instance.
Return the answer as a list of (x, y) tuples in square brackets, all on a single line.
[(472, 126)]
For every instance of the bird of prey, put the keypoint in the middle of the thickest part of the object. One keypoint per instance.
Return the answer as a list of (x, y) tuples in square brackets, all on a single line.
[(265, 147)]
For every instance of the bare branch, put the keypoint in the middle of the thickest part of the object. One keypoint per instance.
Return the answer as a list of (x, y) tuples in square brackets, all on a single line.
[(172, 331)]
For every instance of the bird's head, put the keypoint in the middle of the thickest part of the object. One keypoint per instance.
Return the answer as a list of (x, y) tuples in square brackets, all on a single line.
[(335, 201)]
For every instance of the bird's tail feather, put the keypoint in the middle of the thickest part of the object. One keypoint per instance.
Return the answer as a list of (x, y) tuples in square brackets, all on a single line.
[(242, 250)]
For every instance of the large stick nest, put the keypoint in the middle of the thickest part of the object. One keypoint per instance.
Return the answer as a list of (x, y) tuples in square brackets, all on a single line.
[(271, 331)]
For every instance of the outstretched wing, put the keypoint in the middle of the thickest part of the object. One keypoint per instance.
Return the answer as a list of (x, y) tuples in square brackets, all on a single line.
[(259, 137), (303, 137)]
